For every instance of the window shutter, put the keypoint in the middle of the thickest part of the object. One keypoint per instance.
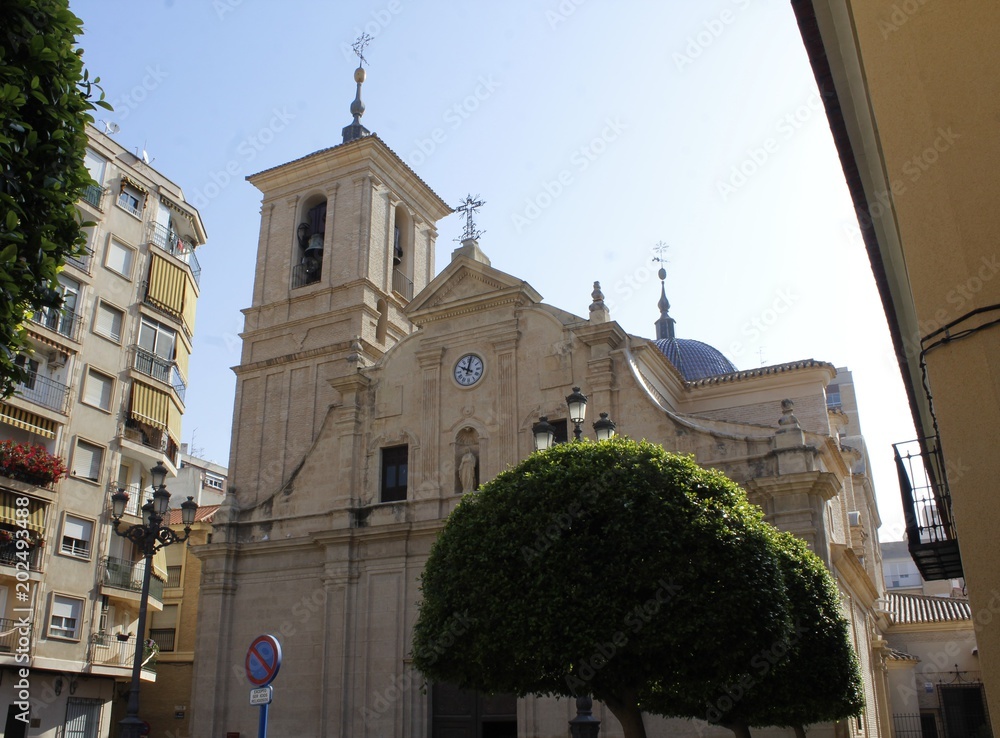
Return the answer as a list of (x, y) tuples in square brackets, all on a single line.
[(98, 390), (77, 528), (87, 461), (109, 321), (119, 258)]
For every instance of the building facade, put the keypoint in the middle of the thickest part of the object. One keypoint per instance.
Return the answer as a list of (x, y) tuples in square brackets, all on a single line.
[(912, 104), (105, 394), (372, 394)]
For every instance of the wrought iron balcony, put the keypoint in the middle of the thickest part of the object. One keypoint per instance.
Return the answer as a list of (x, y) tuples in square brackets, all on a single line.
[(402, 284), (930, 527), (10, 555), (164, 637), (62, 321), (127, 574), (135, 501), (167, 239), (148, 363), (110, 649), (94, 194), (11, 631), (150, 437), (82, 262), (43, 391)]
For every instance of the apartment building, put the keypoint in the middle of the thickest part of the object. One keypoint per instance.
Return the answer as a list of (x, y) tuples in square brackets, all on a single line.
[(105, 396)]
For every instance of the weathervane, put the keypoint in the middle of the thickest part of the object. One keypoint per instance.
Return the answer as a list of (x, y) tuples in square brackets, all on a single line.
[(660, 249), (359, 47), (470, 205)]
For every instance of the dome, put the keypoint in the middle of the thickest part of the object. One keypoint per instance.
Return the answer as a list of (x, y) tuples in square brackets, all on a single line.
[(694, 359)]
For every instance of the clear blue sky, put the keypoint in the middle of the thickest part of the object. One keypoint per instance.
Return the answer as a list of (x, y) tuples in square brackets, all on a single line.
[(592, 129)]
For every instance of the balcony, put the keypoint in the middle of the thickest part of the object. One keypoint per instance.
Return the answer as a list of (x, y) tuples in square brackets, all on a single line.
[(159, 369), (303, 274), (164, 637), (62, 321), (126, 574), (134, 505), (93, 195), (168, 240), (111, 650), (43, 391), (9, 556), (146, 435), (930, 528), (402, 284), (11, 631), (82, 262)]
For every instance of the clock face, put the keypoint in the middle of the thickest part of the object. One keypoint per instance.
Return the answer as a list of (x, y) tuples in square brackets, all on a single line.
[(468, 370)]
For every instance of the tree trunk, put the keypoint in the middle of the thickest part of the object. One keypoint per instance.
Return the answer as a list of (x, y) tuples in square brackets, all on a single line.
[(742, 730), (629, 715), (800, 731)]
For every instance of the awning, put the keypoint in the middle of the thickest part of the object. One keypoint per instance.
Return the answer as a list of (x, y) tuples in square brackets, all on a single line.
[(150, 405), (174, 422), (26, 420), (181, 357), (166, 285), (39, 338), (190, 301), (160, 565), (126, 180), (8, 511)]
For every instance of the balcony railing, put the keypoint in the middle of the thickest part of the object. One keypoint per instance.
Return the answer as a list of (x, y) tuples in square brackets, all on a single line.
[(148, 363), (94, 194), (402, 284), (126, 204), (168, 240), (303, 274), (135, 501), (9, 555), (173, 576), (150, 437), (43, 391), (11, 631), (82, 262), (61, 321), (164, 637), (127, 574), (930, 528), (109, 649)]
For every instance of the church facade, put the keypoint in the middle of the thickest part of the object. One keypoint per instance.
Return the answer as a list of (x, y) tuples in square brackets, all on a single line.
[(372, 394)]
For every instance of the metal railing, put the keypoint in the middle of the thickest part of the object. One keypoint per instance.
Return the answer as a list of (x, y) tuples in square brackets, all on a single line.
[(110, 649), (402, 284), (126, 205), (94, 194), (127, 574), (164, 637), (82, 262), (167, 239), (60, 320), (135, 501), (43, 391), (148, 363), (150, 437), (163, 309), (10, 555), (173, 576), (303, 274), (11, 631)]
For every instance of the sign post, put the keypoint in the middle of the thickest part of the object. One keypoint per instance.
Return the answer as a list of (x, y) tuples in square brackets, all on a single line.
[(263, 662)]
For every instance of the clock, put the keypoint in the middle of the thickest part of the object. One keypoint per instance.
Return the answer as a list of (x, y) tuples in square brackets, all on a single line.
[(468, 370)]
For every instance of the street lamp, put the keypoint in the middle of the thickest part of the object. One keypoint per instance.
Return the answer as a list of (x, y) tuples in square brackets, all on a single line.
[(576, 402), (604, 427), (545, 433), (149, 537)]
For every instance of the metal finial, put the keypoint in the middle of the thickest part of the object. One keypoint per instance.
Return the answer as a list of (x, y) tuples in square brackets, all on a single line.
[(660, 249), (665, 325), (470, 206), (359, 47)]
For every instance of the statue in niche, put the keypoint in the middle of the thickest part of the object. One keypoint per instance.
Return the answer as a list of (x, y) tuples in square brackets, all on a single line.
[(467, 468)]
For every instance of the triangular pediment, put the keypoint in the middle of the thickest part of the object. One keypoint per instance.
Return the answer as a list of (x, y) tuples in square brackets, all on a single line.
[(467, 284)]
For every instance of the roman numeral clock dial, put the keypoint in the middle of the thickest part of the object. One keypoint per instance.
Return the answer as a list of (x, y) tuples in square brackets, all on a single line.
[(468, 370)]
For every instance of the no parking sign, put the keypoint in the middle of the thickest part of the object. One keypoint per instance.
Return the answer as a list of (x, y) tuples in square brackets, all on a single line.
[(263, 662)]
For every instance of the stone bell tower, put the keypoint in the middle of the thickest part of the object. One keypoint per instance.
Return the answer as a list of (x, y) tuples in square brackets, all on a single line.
[(346, 240)]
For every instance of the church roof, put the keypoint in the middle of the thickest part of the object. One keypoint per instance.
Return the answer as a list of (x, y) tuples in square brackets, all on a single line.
[(911, 609), (694, 359)]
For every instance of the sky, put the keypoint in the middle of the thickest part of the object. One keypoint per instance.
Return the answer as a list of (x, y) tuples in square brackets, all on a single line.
[(592, 130)]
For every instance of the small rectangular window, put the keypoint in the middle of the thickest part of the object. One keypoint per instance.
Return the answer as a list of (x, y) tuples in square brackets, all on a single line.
[(119, 258), (76, 537), (214, 481), (108, 322), (131, 200), (98, 389), (65, 620), (394, 473), (88, 459)]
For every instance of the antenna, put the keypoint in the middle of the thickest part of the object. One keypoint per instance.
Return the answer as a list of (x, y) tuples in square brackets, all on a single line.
[(144, 156), (110, 127)]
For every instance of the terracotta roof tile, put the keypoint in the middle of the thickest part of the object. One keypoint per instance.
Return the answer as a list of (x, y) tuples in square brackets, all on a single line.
[(204, 514), (910, 609)]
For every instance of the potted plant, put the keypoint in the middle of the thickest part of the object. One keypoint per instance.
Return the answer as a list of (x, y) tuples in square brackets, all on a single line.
[(30, 463)]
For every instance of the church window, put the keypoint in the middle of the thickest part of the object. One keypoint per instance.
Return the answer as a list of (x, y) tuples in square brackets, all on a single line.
[(394, 474)]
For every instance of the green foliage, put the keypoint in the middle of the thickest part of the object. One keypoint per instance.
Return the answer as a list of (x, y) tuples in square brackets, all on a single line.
[(613, 568), (45, 99)]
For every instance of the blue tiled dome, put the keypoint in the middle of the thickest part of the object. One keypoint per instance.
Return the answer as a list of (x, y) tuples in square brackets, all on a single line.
[(694, 359)]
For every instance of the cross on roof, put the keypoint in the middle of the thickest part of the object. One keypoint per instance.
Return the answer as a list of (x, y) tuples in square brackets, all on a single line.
[(660, 249), (359, 47), (470, 206)]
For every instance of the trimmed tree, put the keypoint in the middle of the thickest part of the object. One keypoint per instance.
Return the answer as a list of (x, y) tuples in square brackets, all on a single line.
[(810, 677), (615, 569), (45, 99)]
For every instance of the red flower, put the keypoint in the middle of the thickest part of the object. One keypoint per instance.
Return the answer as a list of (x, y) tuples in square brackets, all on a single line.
[(30, 463)]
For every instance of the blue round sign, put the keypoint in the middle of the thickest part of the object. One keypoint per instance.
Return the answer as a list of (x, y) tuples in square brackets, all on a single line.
[(263, 660)]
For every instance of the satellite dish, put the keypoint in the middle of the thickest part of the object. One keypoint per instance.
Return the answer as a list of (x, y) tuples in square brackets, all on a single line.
[(145, 156), (110, 127)]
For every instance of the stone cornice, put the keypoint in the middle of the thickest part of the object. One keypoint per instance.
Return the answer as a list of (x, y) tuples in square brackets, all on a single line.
[(849, 567), (824, 484)]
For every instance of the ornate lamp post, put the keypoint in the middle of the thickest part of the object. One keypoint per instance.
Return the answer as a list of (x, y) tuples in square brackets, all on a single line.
[(149, 537), (576, 402), (545, 433)]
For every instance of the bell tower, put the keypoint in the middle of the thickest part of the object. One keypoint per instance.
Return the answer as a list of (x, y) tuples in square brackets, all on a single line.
[(347, 238)]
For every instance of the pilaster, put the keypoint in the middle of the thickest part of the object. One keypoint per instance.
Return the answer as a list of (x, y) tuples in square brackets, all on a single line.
[(429, 483)]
